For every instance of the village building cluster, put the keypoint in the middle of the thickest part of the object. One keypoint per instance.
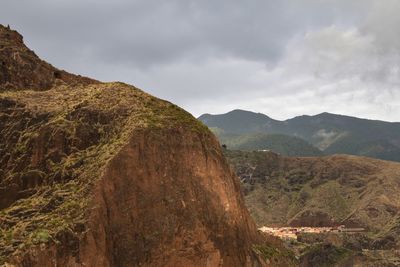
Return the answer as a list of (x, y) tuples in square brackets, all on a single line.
[(293, 232)]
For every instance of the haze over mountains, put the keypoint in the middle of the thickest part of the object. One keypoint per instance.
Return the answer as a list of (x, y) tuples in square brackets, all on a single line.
[(329, 133)]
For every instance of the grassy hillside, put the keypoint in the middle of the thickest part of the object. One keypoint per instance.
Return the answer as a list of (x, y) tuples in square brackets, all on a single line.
[(237, 121), (331, 133), (330, 190), (278, 143)]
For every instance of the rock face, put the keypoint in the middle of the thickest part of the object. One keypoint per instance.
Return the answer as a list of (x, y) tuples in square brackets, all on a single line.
[(20, 68), (103, 174), (177, 199)]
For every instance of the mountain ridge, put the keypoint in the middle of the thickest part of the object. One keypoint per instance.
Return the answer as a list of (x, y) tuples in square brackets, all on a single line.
[(331, 133), (324, 113)]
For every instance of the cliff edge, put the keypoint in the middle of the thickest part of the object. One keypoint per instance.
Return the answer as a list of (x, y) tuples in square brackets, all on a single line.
[(103, 174)]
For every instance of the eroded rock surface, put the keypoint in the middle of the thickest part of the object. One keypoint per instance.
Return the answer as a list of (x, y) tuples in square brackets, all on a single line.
[(20, 68)]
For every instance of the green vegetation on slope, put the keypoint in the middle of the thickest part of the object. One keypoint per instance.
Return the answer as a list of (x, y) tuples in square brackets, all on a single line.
[(278, 143), (325, 191), (331, 133), (321, 191)]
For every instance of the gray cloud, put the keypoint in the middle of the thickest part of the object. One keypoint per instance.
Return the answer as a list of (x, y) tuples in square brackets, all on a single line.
[(142, 33), (283, 58)]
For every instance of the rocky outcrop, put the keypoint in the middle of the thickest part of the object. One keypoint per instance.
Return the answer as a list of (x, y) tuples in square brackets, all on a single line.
[(179, 201), (158, 204), (103, 174), (20, 68)]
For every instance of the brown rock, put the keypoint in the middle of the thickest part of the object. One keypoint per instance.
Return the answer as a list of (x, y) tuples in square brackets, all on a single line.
[(107, 175), (20, 68)]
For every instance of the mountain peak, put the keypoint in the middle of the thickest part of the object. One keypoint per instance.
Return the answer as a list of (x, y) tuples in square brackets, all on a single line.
[(237, 113), (21, 68), (327, 114), (332, 133), (237, 121), (247, 112), (9, 37)]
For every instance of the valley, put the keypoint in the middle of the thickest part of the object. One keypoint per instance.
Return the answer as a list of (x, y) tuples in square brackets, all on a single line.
[(333, 205)]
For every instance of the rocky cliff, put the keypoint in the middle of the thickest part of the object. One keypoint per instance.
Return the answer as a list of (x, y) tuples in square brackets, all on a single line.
[(20, 68), (103, 174)]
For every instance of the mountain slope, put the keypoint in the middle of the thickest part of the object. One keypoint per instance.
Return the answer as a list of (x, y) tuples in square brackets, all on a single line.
[(279, 143), (103, 174), (329, 132), (322, 191), (238, 121), (20, 68)]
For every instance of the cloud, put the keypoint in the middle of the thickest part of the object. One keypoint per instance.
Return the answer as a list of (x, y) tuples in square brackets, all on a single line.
[(146, 33), (283, 58)]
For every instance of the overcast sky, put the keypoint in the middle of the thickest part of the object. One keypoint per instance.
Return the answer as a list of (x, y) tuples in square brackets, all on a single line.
[(280, 57)]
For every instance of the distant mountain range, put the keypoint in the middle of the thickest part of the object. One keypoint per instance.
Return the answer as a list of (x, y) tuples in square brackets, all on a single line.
[(324, 133)]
